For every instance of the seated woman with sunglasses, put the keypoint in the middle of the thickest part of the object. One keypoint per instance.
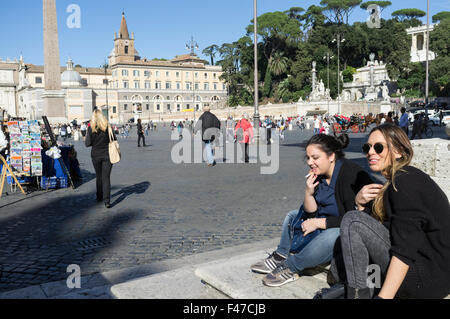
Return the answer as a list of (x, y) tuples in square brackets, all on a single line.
[(331, 187), (406, 232)]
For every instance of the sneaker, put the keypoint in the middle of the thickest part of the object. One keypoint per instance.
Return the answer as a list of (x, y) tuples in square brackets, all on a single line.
[(280, 276), (269, 264)]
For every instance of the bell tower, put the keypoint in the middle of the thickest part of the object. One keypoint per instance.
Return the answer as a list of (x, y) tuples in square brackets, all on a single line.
[(124, 50)]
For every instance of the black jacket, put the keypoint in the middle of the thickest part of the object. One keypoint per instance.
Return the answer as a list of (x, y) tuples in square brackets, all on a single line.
[(418, 219), (350, 180), (210, 126), (140, 129), (99, 142)]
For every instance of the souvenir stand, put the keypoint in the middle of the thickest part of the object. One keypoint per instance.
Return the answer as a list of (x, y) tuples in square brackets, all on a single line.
[(25, 159)]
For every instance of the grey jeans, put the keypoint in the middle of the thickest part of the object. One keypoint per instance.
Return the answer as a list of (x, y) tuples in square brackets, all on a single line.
[(365, 241)]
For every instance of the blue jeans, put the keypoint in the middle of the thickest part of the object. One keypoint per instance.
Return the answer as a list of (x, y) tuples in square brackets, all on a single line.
[(318, 251), (209, 153)]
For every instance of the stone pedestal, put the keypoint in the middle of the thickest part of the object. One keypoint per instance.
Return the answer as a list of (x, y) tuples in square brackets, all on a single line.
[(54, 106), (385, 107)]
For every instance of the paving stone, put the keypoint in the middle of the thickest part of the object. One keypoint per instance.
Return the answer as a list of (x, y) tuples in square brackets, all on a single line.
[(41, 231)]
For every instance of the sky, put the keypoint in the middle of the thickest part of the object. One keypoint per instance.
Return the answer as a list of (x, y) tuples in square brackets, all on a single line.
[(162, 28)]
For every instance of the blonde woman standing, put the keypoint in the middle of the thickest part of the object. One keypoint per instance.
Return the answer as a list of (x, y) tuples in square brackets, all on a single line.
[(97, 137)]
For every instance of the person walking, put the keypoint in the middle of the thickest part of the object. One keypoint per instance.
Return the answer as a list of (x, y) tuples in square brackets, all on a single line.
[(97, 137), (403, 227), (209, 125), (63, 132), (140, 132), (316, 125), (404, 121), (417, 126), (441, 116), (331, 188), (243, 133), (180, 128), (83, 129)]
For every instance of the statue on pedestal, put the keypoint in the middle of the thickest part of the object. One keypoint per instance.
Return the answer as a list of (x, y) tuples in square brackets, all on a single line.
[(385, 92)]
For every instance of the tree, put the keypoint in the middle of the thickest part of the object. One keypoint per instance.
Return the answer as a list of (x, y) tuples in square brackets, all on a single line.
[(294, 13), (443, 15), (347, 74), (382, 4), (339, 10), (283, 91), (408, 14), (313, 16), (278, 64), (276, 30), (211, 52), (440, 66)]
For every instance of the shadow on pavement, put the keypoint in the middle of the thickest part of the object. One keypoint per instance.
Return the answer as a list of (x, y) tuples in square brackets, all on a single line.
[(139, 188)]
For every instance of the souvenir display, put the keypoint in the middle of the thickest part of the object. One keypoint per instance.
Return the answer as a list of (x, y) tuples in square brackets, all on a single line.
[(25, 141)]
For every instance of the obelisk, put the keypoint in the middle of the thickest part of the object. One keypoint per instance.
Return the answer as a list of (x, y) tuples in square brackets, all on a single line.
[(53, 96)]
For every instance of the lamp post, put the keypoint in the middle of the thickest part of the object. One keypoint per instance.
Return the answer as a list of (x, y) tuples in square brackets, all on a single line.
[(338, 40), (255, 49), (427, 63), (105, 81), (192, 45)]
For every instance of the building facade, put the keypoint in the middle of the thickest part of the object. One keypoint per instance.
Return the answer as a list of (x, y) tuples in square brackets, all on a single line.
[(129, 88)]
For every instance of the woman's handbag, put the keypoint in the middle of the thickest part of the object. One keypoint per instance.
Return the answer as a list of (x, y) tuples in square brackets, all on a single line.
[(114, 148), (299, 241)]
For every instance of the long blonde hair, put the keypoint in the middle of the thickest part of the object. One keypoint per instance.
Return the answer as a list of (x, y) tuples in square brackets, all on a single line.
[(98, 121), (397, 140)]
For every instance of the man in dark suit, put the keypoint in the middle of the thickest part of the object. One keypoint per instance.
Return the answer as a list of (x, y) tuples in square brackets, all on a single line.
[(140, 132)]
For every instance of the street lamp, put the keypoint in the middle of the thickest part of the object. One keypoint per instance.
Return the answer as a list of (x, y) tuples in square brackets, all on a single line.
[(255, 49), (427, 63), (105, 81), (338, 40), (192, 45)]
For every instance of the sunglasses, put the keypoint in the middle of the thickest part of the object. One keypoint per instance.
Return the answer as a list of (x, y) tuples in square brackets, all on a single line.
[(378, 147)]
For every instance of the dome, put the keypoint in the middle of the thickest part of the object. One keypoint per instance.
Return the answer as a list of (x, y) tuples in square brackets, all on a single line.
[(70, 77)]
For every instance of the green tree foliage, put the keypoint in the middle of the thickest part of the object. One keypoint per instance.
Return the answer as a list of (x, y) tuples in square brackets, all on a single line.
[(413, 83), (291, 40), (408, 14), (278, 64), (211, 52), (382, 4), (313, 17), (267, 89), (443, 15), (339, 10), (276, 30), (294, 13), (347, 74), (440, 67)]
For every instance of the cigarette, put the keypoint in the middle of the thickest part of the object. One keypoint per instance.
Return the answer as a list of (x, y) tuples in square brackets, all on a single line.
[(308, 175)]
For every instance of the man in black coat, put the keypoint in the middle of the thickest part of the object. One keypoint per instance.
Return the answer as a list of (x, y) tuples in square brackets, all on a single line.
[(140, 132), (210, 127)]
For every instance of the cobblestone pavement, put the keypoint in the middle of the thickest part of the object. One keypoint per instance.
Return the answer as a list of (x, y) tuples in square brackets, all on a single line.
[(160, 210)]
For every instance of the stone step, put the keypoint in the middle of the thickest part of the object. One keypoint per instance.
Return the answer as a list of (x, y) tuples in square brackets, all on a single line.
[(175, 284), (234, 278)]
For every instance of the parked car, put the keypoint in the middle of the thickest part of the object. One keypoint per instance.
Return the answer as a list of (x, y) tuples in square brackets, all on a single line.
[(446, 118), (434, 119), (417, 104)]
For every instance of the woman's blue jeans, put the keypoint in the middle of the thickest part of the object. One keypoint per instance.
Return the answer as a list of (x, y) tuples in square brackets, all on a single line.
[(318, 251)]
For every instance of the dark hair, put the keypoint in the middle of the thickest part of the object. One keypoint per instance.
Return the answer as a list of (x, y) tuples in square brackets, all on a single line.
[(330, 144), (403, 109)]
